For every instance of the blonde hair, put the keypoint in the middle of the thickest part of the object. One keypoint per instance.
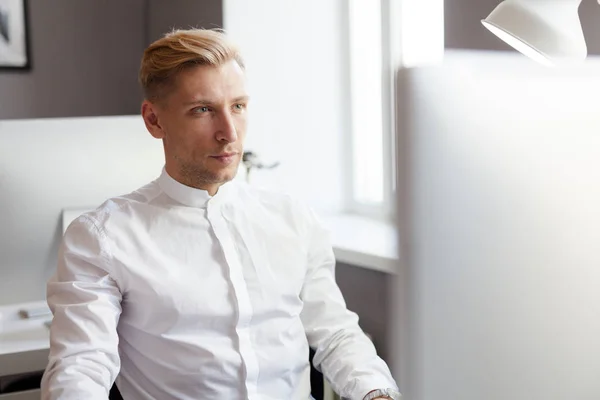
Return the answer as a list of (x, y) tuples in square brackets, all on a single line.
[(181, 49)]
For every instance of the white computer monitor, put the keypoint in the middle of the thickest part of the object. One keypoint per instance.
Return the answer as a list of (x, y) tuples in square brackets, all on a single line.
[(49, 165)]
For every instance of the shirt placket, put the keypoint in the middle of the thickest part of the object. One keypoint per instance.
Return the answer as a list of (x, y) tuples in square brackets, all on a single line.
[(244, 306)]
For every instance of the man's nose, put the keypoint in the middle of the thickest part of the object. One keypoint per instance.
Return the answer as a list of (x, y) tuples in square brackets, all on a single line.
[(226, 129)]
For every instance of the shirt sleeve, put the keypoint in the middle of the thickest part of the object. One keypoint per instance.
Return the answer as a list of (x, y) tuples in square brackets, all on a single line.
[(86, 303), (343, 352)]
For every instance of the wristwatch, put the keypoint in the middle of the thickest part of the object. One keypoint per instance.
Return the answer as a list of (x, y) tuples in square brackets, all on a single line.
[(389, 393)]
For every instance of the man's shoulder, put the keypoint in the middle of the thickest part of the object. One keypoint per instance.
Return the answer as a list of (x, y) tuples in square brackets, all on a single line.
[(119, 207)]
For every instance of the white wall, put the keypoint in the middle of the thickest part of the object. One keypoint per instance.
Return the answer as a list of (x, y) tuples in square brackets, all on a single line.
[(501, 204), (294, 53)]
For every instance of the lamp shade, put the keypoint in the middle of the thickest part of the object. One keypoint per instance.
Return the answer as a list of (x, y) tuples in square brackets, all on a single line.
[(548, 31)]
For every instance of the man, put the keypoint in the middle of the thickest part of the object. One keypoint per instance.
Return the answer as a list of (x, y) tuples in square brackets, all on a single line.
[(196, 287)]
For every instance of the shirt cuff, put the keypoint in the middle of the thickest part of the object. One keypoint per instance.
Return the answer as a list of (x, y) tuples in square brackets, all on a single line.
[(361, 388)]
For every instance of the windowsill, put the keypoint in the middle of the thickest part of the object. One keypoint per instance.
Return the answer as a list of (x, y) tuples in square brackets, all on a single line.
[(364, 242)]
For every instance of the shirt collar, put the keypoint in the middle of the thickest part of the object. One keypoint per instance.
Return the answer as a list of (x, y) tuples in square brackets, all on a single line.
[(188, 195)]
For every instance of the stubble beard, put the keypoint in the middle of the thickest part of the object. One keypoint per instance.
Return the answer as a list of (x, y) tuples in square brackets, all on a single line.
[(198, 176)]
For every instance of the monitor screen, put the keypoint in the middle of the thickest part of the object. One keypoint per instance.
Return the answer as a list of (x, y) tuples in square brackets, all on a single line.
[(51, 165)]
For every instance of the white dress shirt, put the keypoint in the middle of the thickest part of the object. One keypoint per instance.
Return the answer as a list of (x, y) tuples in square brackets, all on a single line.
[(180, 295)]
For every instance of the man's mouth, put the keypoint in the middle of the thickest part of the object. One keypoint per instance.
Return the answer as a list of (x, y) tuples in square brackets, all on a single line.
[(225, 158)]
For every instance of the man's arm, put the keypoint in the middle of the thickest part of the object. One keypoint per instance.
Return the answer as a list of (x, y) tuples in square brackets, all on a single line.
[(345, 355), (86, 304)]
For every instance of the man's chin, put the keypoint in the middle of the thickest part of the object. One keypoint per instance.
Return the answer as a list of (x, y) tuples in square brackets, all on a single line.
[(225, 176)]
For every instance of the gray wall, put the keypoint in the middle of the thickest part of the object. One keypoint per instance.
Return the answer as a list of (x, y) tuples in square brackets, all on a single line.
[(163, 16), (464, 30), (85, 54), (366, 293)]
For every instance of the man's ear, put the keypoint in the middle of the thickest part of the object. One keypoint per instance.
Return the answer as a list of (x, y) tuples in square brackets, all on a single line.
[(150, 115)]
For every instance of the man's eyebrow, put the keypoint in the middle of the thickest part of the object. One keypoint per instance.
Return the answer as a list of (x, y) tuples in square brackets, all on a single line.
[(199, 101), (241, 98), (209, 102)]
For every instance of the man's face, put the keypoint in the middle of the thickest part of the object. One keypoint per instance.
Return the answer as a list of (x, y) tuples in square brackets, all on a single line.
[(202, 122)]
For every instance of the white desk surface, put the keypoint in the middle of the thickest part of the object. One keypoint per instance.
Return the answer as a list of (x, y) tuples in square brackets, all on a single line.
[(18, 334)]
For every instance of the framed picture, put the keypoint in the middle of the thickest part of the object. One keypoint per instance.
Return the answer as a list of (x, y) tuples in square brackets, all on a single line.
[(14, 51)]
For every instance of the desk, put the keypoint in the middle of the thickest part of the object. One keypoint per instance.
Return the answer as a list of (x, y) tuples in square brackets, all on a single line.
[(24, 346)]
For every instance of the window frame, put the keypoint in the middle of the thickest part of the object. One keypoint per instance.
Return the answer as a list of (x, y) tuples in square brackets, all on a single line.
[(384, 210)]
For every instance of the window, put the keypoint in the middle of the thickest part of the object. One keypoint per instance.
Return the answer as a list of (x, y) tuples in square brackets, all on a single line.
[(366, 106), (384, 35)]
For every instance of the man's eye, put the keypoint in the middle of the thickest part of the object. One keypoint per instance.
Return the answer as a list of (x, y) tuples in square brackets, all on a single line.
[(201, 109), (240, 106)]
